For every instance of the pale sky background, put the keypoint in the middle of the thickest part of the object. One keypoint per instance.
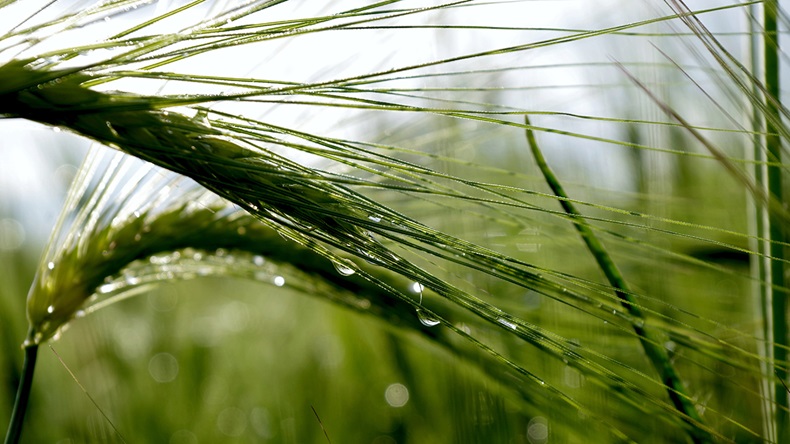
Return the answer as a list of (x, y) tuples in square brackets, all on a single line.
[(38, 163)]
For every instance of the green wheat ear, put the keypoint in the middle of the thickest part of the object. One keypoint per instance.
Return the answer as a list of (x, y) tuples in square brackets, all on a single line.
[(137, 211), (134, 212)]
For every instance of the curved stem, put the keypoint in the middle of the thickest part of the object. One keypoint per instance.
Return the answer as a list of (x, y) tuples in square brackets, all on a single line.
[(649, 338), (22, 395)]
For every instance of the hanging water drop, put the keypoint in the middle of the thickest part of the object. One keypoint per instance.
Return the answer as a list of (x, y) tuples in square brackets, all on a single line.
[(202, 118), (343, 268), (417, 287), (426, 319)]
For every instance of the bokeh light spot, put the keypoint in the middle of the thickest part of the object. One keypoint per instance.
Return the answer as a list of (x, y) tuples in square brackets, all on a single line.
[(397, 395), (163, 367), (232, 421), (12, 235)]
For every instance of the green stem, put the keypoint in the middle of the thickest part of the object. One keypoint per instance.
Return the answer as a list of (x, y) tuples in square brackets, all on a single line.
[(22, 396), (649, 338), (760, 265), (776, 231)]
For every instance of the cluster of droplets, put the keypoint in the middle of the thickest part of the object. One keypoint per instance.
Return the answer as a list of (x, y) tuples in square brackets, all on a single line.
[(187, 264)]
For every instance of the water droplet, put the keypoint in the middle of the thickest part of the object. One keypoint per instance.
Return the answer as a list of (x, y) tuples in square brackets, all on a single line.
[(670, 346), (50, 309), (639, 323), (507, 323), (258, 260), (426, 319), (279, 281), (79, 314), (159, 260), (370, 257), (202, 118), (131, 279), (106, 288), (51, 265), (374, 218), (417, 287), (112, 129), (343, 268)]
